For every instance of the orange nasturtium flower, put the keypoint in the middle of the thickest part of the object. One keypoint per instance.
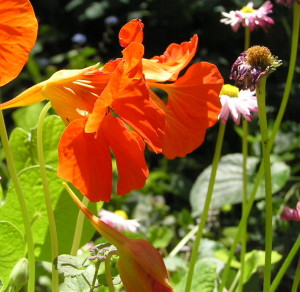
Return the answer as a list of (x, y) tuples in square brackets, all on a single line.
[(18, 31), (140, 265), (115, 108)]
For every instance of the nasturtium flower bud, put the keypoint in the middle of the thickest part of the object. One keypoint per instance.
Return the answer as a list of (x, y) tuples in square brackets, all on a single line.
[(19, 275)]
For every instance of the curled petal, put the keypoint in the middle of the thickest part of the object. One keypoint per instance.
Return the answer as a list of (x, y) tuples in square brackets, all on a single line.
[(18, 31), (131, 32), (128, 148), (193, 106), (85, 161), (167, 66)]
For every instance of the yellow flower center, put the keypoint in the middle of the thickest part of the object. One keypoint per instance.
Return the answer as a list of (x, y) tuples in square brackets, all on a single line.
[(230, 90), (121, 213), (247, 9), (259, 57)]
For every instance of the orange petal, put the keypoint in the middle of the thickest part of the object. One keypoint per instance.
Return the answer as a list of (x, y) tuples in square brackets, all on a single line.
[(85, 161), (193, 106), (167, 66), (18, 31), (128, 148), (131, 32), (30, 96)]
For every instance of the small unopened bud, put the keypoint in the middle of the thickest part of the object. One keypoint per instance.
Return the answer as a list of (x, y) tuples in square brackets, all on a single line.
[(19, 275)]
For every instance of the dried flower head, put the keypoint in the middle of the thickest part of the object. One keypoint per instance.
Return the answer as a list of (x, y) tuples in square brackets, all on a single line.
[(250, 17), (252, 65), (237, 103)]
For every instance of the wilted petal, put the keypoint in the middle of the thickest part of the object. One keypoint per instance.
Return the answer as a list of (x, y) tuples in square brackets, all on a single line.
[(18, 31), (167, 66), (85, 161)]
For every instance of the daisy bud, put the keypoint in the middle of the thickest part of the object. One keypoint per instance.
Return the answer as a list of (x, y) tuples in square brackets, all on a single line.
[(252, 65), (290, 214)]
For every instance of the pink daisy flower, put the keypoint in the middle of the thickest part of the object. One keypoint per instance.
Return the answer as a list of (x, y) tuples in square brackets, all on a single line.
[(248, 16), (290, 214), (237, 103)]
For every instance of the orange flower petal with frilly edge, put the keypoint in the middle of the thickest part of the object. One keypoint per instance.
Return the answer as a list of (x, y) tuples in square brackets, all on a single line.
[(128, 148), (193, 106), (167, 66), (131, 32), (18, 31), (85, 161)]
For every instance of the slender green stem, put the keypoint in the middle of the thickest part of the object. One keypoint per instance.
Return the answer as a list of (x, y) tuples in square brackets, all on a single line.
[(285, 265), (108, 276), (296, 278), (22, 202), (183, 241), (261, 101), (247, 38), (202, 223), (78, 229), (97, 266), (245, 198), (290, 76), (52, 226)]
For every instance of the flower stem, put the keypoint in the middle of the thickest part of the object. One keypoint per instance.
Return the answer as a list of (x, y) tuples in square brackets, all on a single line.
[(22, 202), (261, 96), (111, 287), (247, 38), (245, 198), (202, 222), (285, 266), (78, 229), (52, 226), (290, 76), (296, 278)]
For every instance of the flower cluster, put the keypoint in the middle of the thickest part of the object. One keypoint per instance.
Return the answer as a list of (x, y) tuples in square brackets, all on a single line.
[(115, 109), (237, 103), (250, 17), (252, 65)]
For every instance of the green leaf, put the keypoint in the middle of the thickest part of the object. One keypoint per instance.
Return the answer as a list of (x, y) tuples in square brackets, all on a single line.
[(12, 249), (70, 265), (160, 236), (206, 270), (65, 212), (27, 117), (255, 259), (229, 182)]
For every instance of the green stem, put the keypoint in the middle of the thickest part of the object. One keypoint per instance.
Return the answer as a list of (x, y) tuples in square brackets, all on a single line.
[(285, 265), (245, 198), (290, 76), (247, 38), (78, 229), (93, 285), (22, 202), (261, 101), (202, 222), (296, 278), (52, 226), (111, 287)]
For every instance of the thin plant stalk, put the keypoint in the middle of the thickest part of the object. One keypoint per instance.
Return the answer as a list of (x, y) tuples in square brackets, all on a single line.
[(52, 225), (204, 216), (24, 210), (78, 229), (111, 287), (285, 265), (261, 101), (296, 278)]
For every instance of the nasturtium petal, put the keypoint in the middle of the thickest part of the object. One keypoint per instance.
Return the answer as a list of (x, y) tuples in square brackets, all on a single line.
[(167, 66), (18, 32), (128, 148), (131, 32), (85, 161)]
